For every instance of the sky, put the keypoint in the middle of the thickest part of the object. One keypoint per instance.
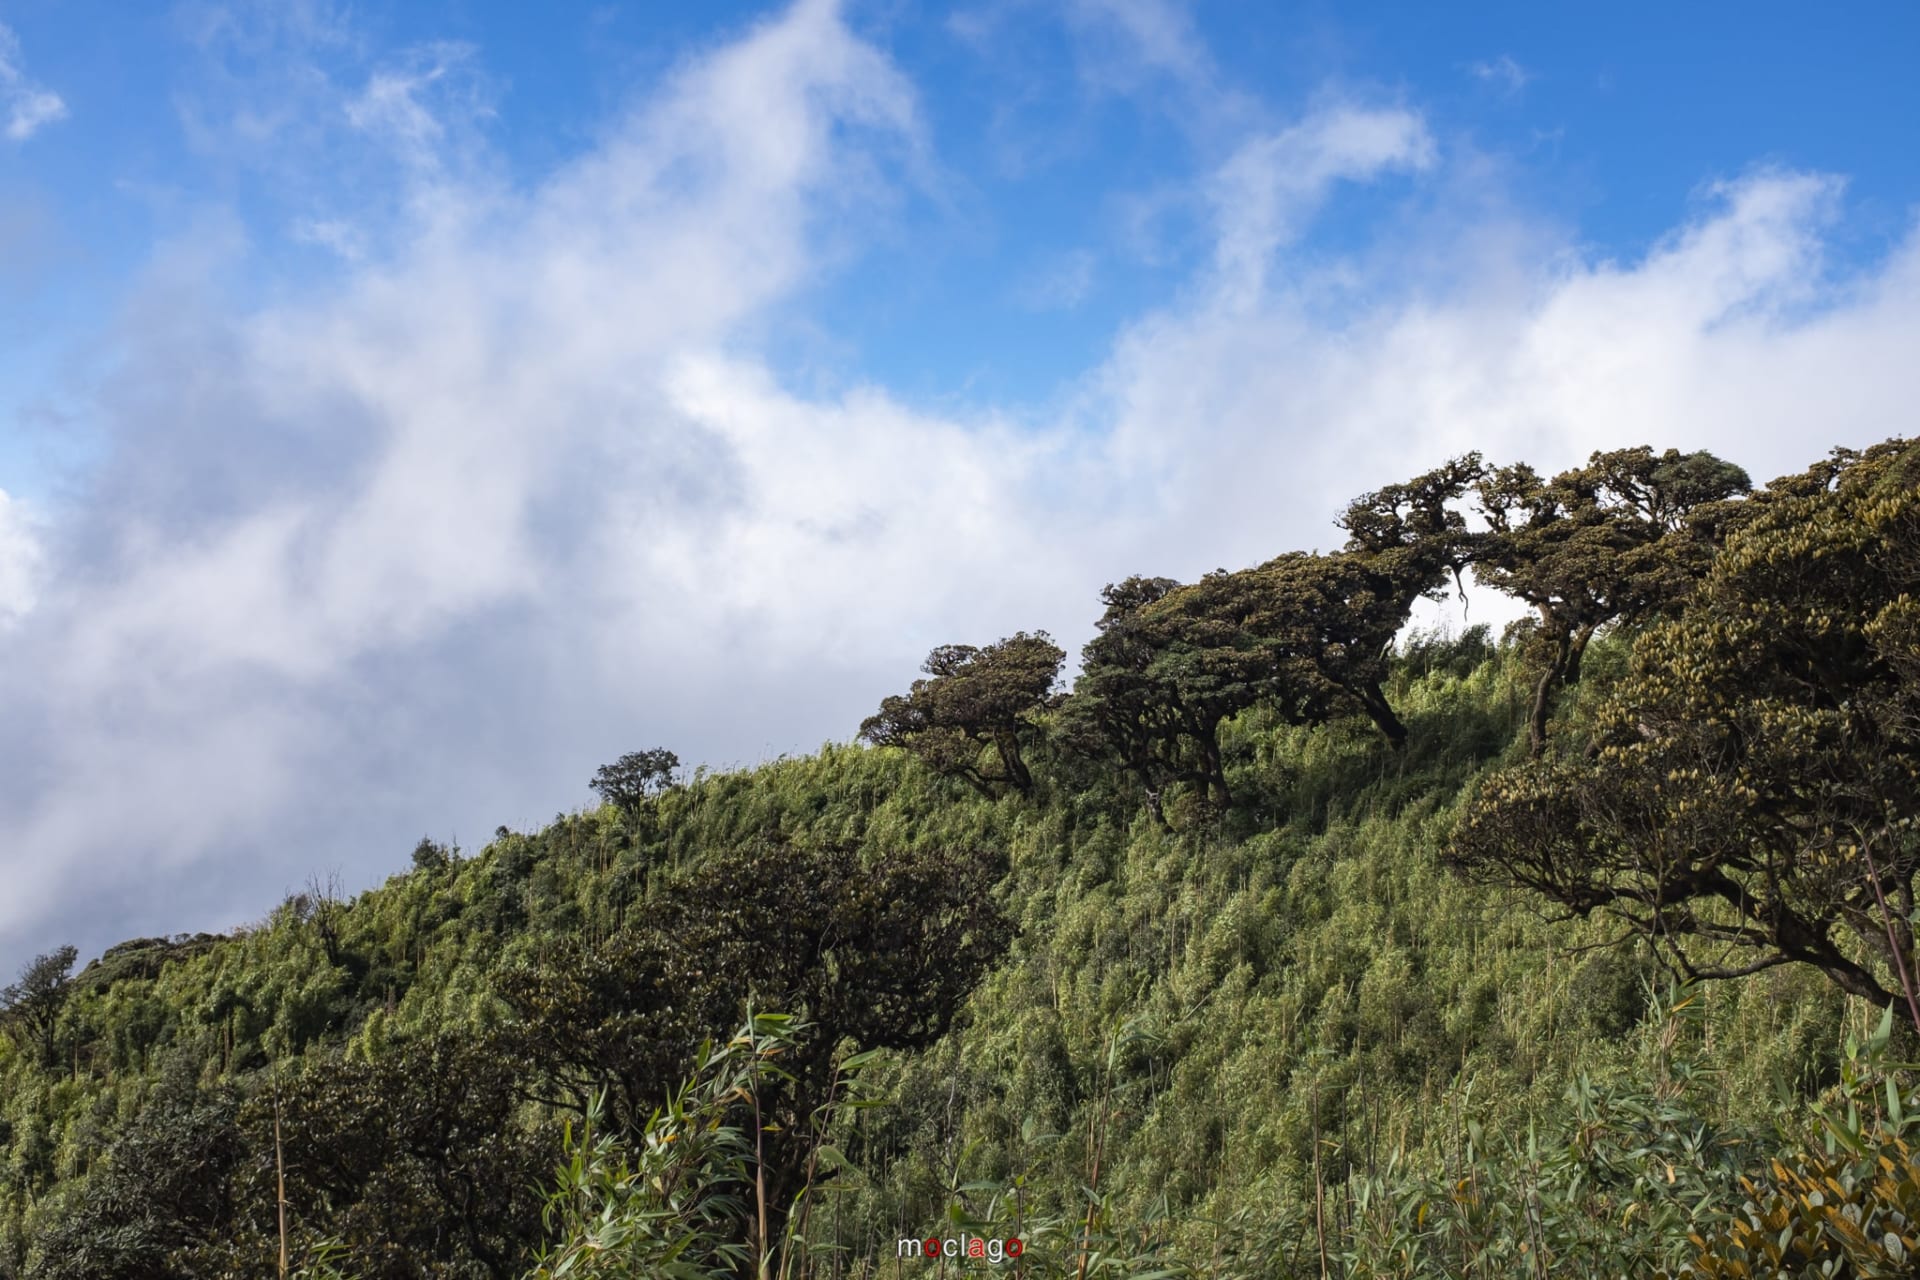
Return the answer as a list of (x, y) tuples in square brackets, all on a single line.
[(406, 408)]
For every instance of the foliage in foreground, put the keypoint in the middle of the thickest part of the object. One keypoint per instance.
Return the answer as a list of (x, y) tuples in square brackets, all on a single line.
[(1631, 1180)]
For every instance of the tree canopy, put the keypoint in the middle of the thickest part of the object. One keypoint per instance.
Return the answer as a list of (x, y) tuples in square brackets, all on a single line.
[(30, 1007), (635, 777), (873, 953), (1614, 542), (1306, 636), (1749, 792), (973, 716), (1156, 682)]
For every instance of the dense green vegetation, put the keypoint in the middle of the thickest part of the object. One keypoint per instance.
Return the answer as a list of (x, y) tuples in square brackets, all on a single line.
[(1272, 949)]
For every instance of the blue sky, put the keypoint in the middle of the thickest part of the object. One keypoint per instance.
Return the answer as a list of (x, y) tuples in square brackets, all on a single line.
[(1061, 141), (405, 408)]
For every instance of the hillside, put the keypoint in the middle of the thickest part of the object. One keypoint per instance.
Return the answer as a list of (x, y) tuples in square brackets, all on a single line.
[(1212, 1001)]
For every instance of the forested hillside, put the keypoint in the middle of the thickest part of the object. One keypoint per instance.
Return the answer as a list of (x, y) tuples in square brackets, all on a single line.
[(1271, 947)]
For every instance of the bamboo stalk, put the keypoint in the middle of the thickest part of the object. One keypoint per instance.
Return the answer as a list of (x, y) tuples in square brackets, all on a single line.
[(1319, 1188), (280, 1179)]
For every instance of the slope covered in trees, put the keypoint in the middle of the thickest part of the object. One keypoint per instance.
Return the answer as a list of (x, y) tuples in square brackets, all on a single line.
[(1270, 948)]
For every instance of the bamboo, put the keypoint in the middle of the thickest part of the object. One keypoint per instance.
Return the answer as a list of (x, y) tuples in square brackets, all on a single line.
[(280, 1179), (1319, 1188)]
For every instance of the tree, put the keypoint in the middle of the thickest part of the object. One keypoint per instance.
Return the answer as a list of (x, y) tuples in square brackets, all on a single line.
[(635, 777), (617, 1019), (874, 953), (1329, 623), (1414, 532), (327, 909), (431, 855), (1751, 793), (30, 1008), (1615, 542), (415, 1160), (165, 1185), (1326, 624), (409, 1163), (973, 715), (1308, 636), (1157, 681)]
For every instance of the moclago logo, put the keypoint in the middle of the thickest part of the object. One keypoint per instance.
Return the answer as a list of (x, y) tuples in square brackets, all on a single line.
[(976, 1247)]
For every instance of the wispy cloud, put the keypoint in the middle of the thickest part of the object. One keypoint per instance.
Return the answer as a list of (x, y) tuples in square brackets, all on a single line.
[(1143, 48), (20, 562), (287, 102), (1147, 37), (1059, 284), (336, 235), (1273, 182), (1148, 51), (1502, 72), (28, 107), (397, 104)]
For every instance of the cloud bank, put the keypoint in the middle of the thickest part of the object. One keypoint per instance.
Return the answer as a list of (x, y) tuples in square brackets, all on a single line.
[(516, 489)]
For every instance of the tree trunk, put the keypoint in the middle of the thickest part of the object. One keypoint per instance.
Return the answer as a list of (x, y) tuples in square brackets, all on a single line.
[(1380, 711), (1575, 651), (1543, 698), (1216, 769), (1016, 768)]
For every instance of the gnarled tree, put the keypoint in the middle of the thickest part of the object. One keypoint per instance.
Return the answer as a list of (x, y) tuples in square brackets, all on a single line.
[(972, 717), (1615, 542), (636, 777), (874, 952), (1169, 664), (30, 1008), (1414, 532), (1751, 795), (1308, 636), (1328, 625)]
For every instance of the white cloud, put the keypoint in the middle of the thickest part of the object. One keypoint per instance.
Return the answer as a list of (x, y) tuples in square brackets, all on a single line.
[(28, 107), (1271, 184), (1147, 50), (1061, 284), (1502, 72), (1149, 36), (397, 104), (20, 561), (1264, 406), (1143, 48), (1119, 44), (421, 549), (310, 502), (336, 235)]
